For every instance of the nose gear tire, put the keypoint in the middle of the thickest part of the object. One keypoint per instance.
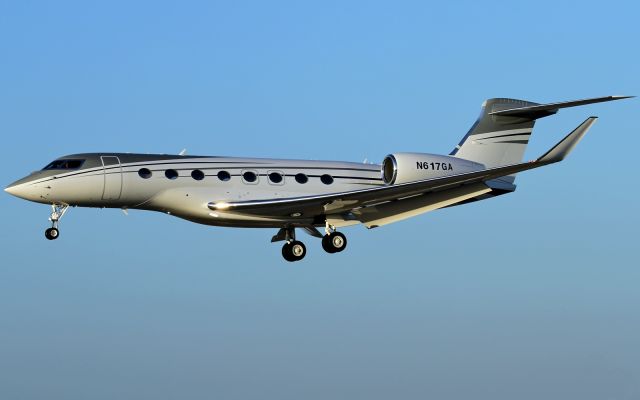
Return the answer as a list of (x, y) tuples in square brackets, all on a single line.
[(51, 233)]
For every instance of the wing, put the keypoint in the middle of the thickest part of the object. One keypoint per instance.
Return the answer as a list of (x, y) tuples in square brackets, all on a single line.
[(335, 203)]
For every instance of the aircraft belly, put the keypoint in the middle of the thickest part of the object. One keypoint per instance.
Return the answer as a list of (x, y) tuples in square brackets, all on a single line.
[(191, 204)]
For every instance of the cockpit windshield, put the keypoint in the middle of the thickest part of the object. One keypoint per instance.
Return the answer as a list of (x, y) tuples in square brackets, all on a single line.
[(64, 164)]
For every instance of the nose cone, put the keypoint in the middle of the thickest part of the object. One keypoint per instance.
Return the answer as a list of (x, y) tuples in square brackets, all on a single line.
[(24, 189), (12, 189), (17, 189)]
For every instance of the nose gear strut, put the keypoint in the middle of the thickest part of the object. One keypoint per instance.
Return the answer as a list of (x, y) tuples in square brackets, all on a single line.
[(57, 212)]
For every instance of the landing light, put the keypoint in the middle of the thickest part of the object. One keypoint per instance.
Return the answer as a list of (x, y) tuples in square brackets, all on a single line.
[(222, 205)]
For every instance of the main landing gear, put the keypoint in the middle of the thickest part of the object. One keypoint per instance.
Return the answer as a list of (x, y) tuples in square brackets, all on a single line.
[(294, 250), (334, 242), (57, 212)]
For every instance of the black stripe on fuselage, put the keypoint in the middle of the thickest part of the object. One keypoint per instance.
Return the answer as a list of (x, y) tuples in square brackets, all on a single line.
[(244, 163), (247, 166), (100, 172)]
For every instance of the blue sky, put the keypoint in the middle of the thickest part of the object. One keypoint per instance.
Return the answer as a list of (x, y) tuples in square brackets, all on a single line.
[(531, 295)]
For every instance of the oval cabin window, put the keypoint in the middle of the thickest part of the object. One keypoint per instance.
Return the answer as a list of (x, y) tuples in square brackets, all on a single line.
[(326, 179), (275, 177), (144, 173), (171, 174), (197, 175), (224, 176), (301, 178), (250, 176)]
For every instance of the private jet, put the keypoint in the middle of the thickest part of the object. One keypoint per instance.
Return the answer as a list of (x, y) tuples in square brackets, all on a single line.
[(289, 194)]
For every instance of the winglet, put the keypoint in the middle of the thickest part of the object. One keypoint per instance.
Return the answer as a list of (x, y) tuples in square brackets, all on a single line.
[(564, 147)]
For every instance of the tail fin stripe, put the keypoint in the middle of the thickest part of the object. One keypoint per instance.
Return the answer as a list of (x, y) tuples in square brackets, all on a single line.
[(505, 132), (501, 136), (514, 141)]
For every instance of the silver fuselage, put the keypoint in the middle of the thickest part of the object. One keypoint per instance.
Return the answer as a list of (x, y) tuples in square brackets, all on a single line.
[(113, 180)]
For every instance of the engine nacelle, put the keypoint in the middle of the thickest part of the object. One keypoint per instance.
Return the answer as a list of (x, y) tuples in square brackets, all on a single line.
[(409, 167)]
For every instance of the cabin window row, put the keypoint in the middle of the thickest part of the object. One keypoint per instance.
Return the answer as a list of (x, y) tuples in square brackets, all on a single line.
[(247, 176)]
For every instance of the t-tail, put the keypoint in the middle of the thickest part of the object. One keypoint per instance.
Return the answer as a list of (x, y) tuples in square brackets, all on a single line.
[(500, 135)]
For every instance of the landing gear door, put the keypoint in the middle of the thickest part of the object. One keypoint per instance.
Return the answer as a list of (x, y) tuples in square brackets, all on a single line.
[(112, 178)]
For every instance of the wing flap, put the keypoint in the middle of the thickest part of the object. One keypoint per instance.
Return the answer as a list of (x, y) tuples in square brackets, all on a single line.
[(394, 211)]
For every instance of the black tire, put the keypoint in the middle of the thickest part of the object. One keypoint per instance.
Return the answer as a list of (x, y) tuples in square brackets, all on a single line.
[(326, 244), (334, 242), (298, 250), (51, 233), (338, 241), (286, 252)]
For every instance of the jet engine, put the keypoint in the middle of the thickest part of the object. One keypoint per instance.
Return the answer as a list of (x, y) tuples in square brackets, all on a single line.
[(408, 167)]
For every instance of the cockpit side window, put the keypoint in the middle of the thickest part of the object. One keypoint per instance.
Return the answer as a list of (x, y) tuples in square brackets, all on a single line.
[(64, 164)]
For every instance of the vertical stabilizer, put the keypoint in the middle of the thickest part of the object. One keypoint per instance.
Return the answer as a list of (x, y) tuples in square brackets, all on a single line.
[(501, 133), (495, 140)]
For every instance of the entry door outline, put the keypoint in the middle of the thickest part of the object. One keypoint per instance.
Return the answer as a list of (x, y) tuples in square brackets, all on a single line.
[(112, 173)]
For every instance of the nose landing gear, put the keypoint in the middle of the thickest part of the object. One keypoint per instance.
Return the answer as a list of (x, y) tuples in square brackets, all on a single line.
[(57, 212)]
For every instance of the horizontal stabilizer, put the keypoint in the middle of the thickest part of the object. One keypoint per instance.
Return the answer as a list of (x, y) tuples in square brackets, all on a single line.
[(544, 110), (564, 147)]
